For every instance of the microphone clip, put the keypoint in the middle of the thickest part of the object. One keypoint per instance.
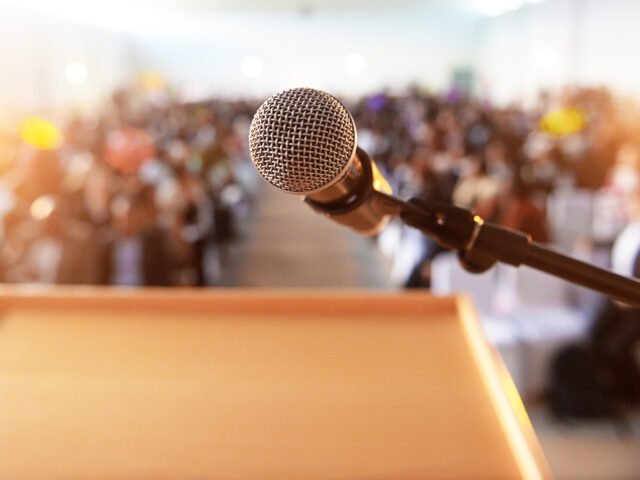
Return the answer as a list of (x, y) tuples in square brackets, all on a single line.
[(480, 245)]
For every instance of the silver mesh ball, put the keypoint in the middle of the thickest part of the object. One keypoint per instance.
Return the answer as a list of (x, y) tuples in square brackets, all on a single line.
[(302, 140)]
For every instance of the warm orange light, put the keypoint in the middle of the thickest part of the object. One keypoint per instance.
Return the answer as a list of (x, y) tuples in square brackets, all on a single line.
[(563, 121), (151, 81), (42, 207), (504, 395), (6, 158), (379, 182), (40, 133)]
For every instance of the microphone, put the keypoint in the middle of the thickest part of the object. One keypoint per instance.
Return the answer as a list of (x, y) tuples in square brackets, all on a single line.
[(304, 142)]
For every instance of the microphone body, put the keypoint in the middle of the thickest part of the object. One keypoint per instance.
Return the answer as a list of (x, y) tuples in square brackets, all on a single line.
[(304, 141), (353, 199)]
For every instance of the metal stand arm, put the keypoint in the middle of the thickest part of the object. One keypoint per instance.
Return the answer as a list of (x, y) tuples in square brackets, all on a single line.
[(480, 245)]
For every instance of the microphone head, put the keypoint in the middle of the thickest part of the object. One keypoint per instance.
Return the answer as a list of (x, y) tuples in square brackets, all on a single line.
[(302, 140)]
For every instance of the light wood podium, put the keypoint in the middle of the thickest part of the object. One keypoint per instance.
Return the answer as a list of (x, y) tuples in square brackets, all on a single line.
[(244, 384)]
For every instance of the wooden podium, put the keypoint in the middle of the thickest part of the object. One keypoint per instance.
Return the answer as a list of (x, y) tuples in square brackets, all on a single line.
[(246, 384)]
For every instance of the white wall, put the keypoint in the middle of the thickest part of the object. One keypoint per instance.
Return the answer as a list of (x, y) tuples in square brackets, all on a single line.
[(597, 42), (36, 48), (400, 43)]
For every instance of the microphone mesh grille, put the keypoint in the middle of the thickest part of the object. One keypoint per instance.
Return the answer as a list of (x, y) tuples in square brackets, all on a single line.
[(301, 140)]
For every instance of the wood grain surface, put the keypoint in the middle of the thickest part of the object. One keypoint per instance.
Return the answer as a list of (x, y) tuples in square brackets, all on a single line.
[(158, 384)]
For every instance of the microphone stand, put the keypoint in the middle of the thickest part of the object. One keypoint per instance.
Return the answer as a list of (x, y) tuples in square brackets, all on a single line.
[(481, 245)]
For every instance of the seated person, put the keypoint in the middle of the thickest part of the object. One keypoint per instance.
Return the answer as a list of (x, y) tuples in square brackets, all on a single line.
[(135, 251)]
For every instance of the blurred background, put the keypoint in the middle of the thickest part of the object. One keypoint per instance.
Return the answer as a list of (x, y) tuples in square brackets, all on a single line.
[(124, 161)]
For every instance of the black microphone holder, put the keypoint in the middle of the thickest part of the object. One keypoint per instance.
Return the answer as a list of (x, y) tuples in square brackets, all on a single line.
[(480, 245)]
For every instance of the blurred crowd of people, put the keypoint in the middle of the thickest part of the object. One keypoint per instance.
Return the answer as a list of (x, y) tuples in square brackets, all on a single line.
[(150, 190), (147, 192), (506, 163)]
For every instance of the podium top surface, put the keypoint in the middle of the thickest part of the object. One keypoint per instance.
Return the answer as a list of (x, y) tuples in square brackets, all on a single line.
[(240, 384)]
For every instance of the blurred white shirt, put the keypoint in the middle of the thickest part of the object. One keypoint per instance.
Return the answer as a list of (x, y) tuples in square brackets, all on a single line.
[(626, 250)]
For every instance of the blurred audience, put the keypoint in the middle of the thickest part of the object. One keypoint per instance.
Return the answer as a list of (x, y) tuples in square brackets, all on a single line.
[(145, 193), (150, 191), (511, 165)]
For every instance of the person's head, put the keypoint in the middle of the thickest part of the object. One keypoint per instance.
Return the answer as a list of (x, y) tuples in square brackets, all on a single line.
[(49, 213), (625, 177), (633, 206), (133, 214), (518, 188), (628, 154), (145, 202), (123, 216), (474, 165)]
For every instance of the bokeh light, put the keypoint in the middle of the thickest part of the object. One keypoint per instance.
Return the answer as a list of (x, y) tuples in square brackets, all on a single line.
[(252, 67), (128, 149), (42, 207), (151, 80), (546, 57), (563, 121), (76, 72), (40, 133), (354, 63)]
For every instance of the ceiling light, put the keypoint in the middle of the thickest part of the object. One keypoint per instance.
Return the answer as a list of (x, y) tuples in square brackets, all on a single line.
[(354, 63), (252, 67), (76, 72)]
